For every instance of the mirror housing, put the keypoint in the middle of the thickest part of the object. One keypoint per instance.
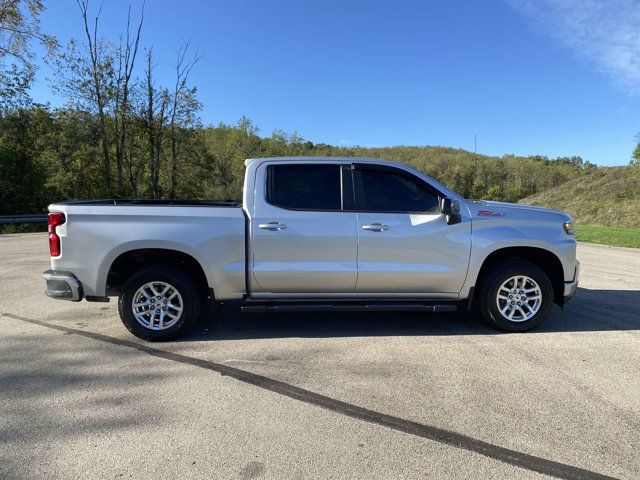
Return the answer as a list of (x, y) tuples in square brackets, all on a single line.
[(450, 207)]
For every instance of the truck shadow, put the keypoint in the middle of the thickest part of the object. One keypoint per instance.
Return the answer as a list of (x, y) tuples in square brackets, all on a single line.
[(588, 311)]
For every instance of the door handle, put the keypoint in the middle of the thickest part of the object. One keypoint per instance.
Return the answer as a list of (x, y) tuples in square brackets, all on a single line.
[(375, 227), (273, 226)]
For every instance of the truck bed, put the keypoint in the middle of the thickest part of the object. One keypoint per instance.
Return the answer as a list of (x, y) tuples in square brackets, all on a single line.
[(97, 232)]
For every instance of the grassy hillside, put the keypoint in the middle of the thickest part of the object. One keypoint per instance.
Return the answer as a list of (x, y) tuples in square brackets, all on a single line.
[(605, 196)]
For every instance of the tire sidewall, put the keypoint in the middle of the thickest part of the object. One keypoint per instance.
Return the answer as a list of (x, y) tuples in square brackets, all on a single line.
[(180, 282), (490, 307)]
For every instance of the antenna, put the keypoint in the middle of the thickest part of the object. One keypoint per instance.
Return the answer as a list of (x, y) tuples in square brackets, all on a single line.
[(475, 150)]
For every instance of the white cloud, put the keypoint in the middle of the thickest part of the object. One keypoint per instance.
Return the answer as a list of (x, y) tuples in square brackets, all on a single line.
[(606, 33)]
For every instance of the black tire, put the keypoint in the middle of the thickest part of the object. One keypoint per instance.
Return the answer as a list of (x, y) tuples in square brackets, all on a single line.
[(191, 302), (488, 292)]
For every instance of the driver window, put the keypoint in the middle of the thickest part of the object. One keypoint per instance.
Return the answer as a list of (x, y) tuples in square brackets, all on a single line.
[(392, 190)]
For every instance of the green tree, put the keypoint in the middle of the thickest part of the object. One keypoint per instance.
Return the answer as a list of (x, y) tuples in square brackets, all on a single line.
[(86, 76), (19, 30), (635, 156), (183, 109), (23, 175)]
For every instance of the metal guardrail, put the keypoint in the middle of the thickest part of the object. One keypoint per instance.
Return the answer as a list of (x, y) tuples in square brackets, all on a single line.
[(15, 219)]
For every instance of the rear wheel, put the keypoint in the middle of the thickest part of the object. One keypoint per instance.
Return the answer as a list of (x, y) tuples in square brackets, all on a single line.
[(515, 296), (159, 303)]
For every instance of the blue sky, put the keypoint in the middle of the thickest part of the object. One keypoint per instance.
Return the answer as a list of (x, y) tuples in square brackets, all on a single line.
[(549, 77)]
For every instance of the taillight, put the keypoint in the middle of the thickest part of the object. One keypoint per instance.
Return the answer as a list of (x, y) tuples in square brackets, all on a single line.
[(55, 219)]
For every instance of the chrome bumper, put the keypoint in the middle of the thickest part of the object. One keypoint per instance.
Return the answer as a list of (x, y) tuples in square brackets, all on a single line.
[(62, 286), (571, 287)]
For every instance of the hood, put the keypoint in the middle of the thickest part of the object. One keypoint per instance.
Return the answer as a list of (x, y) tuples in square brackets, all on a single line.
[(493, 209)]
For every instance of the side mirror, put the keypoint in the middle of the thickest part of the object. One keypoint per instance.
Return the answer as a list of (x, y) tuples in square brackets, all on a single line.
[(451, 208)]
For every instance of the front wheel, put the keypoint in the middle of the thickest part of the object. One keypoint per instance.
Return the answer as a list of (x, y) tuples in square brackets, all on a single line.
[(159, 303), (515, 296)]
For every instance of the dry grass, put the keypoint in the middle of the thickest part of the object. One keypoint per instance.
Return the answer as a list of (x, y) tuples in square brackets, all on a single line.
[(607, 197)]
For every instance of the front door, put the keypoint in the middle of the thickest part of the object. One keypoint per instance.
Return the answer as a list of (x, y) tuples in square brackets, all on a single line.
[(303, 239), (405, 244)]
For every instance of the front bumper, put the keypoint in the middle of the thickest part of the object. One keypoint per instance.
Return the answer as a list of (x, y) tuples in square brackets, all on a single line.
[(62, 286), (571, 287)]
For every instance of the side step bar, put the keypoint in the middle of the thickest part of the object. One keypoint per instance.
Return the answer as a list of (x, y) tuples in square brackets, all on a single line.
[(349, 306)]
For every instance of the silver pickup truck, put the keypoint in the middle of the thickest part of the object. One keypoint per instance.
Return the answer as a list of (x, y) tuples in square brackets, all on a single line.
[(314, 233)]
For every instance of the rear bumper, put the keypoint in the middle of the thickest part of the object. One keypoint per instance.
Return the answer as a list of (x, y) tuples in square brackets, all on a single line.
[(571, 287), (62, 286)]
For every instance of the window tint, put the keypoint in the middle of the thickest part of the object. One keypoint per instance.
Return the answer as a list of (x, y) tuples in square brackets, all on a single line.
[(307, 187), (389, 190)]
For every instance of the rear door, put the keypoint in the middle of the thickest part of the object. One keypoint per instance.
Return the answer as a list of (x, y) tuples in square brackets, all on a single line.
[(304, 239), (405, 244)]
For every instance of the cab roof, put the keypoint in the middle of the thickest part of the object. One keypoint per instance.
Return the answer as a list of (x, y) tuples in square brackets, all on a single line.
[(249, 161)]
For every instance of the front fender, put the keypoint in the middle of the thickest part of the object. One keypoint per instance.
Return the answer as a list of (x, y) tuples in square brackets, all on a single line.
[(490, 236)]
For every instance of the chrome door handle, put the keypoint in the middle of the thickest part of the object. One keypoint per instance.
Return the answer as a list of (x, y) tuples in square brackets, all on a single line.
[(273, 226), (375, 227)]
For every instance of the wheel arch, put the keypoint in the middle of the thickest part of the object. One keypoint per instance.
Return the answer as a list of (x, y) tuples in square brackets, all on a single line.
[(131, 261), (542, 258)]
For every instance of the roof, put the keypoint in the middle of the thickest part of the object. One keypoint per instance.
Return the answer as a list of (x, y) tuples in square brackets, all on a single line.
[(249, 161), (404, 166)]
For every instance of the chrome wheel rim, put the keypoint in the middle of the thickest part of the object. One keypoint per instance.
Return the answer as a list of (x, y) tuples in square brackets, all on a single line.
[(157, 305), (519, 298)]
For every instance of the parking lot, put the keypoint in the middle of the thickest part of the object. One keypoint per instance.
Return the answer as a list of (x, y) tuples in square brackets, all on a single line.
[(384, 395)]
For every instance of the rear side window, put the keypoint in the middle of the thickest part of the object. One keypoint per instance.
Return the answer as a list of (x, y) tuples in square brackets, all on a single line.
[(392, 190), (304, 187)]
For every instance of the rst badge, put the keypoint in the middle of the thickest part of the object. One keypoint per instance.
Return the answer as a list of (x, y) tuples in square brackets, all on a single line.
[(489, 213)]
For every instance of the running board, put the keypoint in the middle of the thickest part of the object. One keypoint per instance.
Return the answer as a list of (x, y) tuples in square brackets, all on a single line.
[(348, 306)]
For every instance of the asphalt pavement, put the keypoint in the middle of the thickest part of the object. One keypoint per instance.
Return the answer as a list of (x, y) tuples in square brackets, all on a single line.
[(349, 395)]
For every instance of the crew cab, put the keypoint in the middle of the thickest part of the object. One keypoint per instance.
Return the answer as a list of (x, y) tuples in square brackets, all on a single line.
[(314, 233)]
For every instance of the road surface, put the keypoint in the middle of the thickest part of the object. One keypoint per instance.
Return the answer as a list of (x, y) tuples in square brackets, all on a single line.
[(371, 395)]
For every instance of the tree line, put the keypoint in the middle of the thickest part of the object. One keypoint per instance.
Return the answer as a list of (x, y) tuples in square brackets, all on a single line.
[(121, 134)]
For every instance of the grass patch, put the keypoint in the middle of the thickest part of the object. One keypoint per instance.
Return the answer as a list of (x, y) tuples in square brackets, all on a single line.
[(23, 228), (621, 237)]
